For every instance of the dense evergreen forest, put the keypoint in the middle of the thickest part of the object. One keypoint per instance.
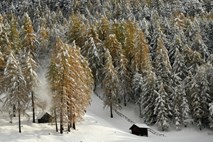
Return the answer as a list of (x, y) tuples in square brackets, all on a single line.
[(157, 54)]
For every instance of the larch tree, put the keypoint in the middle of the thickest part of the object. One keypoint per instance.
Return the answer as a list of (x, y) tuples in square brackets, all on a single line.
[(71, 84), (110, 84), (60, 97), (29, 37), (142, 59), (14, 36), (104, 28), (53, 79), (129, 43), (76, 31), (82, 85), (199, 45), (120, 63), (30, 43)]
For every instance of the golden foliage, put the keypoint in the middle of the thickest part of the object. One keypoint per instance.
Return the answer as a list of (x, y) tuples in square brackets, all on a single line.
[(142, 59)]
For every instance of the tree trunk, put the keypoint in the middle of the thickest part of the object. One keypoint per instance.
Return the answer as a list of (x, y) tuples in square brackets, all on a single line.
[(19, 118), (61, 116), (124, 99), (33, 106), (73, 125), (56, 124), (111, 114), (69, 126), (61, 123), (14, 111), (140, 110)]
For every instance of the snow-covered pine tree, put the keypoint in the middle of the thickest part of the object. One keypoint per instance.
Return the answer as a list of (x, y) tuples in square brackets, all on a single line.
[(161, 109), (29, 68), (15, 86), (211, 115), (110, 84), (179, 68), (148, 97), (198, 92), (181, 107), (163, 71), (92, 51), (202, 80), (136, 85)]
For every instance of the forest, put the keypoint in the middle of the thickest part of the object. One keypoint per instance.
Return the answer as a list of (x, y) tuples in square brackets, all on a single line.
[(157, 54)]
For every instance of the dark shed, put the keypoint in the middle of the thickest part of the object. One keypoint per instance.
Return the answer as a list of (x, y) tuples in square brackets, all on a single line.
[(44, 118), (139, 129)]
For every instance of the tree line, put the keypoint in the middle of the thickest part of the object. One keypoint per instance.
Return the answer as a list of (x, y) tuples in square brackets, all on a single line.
[(156, 54)]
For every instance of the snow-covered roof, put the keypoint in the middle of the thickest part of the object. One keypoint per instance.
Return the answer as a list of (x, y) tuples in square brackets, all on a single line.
[(142, 125), (41, 114)]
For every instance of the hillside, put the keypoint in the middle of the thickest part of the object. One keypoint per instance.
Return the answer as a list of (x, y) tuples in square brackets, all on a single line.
[(155, 57), (97, 126)]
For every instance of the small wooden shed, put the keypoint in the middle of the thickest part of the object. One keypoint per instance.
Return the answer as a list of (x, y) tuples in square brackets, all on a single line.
[(139, 129), (44, 117)]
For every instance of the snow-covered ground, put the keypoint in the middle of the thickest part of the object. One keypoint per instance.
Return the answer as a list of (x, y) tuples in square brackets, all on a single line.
[(97, 126)]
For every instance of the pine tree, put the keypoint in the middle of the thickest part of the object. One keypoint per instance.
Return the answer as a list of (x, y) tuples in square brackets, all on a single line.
[(161, 109), (29, 68), (137, 83), (15, 86), (110, 84), (92, 51), (181, 107), (211, 115), (163, 71), (148, 97)]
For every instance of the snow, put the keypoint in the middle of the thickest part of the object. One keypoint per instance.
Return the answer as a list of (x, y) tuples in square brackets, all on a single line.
[(97, 126)]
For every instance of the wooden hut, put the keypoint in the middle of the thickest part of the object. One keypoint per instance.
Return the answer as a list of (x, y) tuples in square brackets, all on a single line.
[(44, 118), (139, 129)]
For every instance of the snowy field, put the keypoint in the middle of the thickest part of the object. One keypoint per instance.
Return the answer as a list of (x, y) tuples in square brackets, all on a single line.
[(97, 126)]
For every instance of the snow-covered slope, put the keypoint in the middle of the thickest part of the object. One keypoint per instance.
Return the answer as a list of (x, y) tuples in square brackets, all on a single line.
[(97, 126)]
